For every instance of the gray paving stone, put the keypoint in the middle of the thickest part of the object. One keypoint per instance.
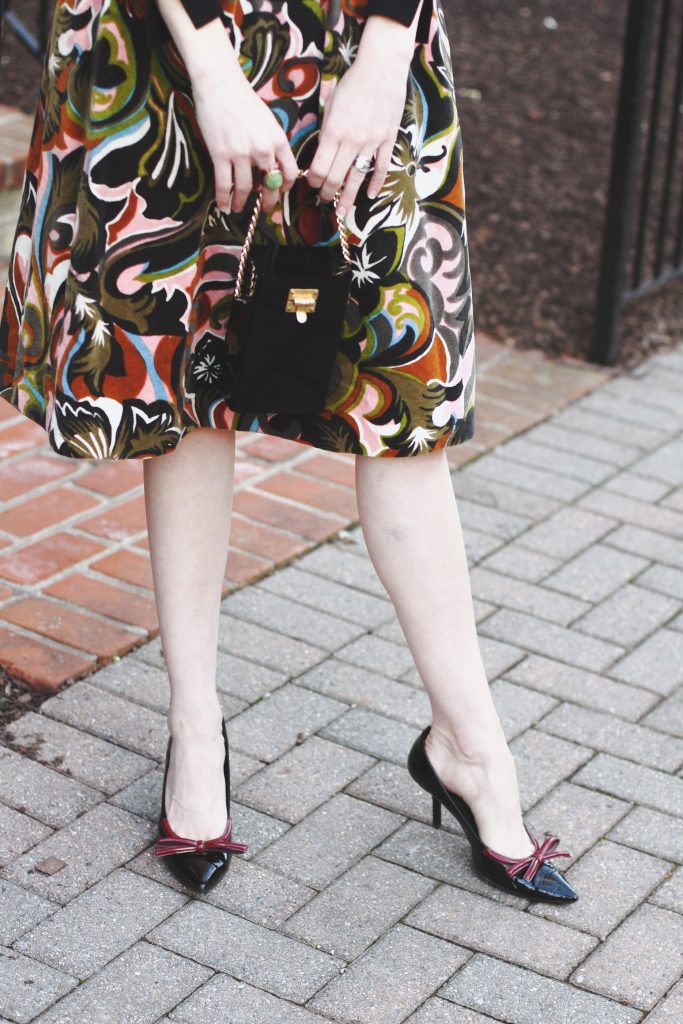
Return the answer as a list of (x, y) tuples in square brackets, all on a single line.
[(651, 831), (670, 892), (247, 951), (257, 605), (438, 1011), (302, 779), (600, 731), (497, 656), (664, 579), (633, 782), (329, 840), (230, 1001), (441, 855), (245, 679), (102, 765), (628, 616), (582, 687), (623, 407), (329, 596), (517, 707), (495, 494), (656, 664), (20, 910), (390, 785), (370, 690), (513, 994), (333, 562), (542, 637), (112, 718), (377, 655), (522, 563), (372, 734), (642, 488), (391, 979), (135, 681), (619, 453), (593, 422), (258, 894), (578, 816), (670, 1009), (18, 833), (45, 794), (566, 533), (525, 597), (666, 463), (504, 931), (110, 916), (674, 499), (596, 572), (668, 716), (648, 543), (266, 647), (612, 880), (637, 513), (358, 907), (479, 545), (499, 522), (542, 762), (639, 961), (91, 846), (276, 723), (529, 478), (136, 988), (27, 987), (525, 450)]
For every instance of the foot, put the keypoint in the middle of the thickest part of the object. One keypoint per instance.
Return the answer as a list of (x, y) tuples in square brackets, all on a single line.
[(487, 782), (195, 785)]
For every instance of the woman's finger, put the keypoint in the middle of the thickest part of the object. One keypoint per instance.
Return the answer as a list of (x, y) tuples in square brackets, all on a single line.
[(244, 182), (223, 185), (354, 180), (325, 153), (286, 161), (379, 172), (339, 169)]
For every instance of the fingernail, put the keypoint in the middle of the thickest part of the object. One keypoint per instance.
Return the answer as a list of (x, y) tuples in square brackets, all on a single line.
[(341, 211), (372, 193)]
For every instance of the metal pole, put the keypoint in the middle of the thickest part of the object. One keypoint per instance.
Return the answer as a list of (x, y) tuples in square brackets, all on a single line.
[(623, 181)]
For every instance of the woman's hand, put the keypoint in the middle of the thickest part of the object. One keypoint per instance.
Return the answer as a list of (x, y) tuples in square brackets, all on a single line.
[(239, 129), (364, 111)]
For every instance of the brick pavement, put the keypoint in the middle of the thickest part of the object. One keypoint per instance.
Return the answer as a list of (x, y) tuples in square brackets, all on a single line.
[(349, 906)]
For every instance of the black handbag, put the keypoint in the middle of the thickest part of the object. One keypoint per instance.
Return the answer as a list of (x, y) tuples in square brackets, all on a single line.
[(287, 323)]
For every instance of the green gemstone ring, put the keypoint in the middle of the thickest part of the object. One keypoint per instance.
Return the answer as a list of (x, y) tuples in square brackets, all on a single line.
[(274, 178)]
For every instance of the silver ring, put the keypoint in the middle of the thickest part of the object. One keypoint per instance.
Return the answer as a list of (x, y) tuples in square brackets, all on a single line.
[(364, 163)]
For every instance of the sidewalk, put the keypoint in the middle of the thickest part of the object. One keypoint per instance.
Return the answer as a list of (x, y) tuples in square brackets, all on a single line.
[(349, 906)]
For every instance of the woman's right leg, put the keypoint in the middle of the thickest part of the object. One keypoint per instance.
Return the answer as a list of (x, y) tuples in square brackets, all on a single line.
[(188, 500)]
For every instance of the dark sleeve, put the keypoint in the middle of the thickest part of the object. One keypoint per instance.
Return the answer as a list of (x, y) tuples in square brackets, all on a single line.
[(404, 12), (201, 12)]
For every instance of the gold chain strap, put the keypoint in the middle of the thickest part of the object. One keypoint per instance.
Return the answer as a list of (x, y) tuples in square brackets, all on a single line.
[(239, 295)]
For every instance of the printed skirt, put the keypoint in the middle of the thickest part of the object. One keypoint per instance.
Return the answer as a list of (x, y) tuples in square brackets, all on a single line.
[(113, 328)]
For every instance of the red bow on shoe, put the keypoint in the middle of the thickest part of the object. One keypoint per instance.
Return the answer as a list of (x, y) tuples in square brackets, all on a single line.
[(173, 843), (542, 852)]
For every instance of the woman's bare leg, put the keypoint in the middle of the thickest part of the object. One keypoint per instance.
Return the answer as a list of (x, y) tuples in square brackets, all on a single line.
[(411, 525), (188, 499)]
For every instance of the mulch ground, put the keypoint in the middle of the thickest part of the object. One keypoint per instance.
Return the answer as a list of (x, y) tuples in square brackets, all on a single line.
[(537, 86)]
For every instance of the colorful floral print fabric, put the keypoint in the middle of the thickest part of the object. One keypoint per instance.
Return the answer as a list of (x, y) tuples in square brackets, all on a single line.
[(113, 334)]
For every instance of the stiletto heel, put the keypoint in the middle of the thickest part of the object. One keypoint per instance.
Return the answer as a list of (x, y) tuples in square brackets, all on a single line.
[(197, 863), (531, 876), (436, 812)]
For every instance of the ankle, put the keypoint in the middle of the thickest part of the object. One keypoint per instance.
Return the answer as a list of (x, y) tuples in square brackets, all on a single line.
[(200, 722), (487, 751)]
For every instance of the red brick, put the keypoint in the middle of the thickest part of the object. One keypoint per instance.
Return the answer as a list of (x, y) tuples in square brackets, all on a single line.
[(20, 437), (274, 449), (265, 542), (24, 475), (8, 412), (459, 454), (46, 557), (127, 566), (108, 599), (316, 493), (244, 568), (36, 514), (338, 470), (120, 522), (76, 629), (5, 592), (112, 477), (39, 664), (488, 349), (516, 420), (246, 471), (287, 517)]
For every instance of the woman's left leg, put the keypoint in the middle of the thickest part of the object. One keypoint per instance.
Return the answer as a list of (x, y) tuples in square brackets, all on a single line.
[(411, 525)]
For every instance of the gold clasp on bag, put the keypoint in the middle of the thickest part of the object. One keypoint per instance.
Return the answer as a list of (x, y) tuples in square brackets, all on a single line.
[(302, 302)]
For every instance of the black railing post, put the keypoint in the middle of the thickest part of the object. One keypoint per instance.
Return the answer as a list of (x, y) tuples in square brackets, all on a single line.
[(623, 181)]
